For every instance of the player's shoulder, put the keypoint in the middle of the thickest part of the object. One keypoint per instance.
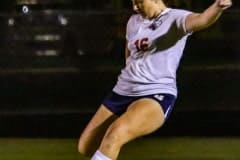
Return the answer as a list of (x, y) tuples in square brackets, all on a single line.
[(135, 18), (179, 12)]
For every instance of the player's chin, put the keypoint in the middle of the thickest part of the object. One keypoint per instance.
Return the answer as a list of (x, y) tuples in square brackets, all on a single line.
[(143, 14), (137, 11)]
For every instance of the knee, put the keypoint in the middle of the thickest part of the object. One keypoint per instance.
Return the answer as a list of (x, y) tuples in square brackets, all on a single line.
[(117, 134), (81, 149), (85, 151)]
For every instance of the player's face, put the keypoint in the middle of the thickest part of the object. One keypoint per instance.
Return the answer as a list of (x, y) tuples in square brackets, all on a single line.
[(144, 7)]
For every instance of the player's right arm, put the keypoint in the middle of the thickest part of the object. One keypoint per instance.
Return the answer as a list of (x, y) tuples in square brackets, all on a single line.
[(127, 52)]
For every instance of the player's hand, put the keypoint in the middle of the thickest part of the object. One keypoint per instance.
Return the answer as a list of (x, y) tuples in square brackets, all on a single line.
[(224, 4)]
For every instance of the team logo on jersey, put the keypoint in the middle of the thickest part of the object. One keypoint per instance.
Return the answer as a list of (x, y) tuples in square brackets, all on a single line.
[(158, 21), (155, 25)]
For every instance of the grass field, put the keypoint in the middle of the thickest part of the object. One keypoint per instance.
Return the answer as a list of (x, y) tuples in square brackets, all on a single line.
[(183, 148)]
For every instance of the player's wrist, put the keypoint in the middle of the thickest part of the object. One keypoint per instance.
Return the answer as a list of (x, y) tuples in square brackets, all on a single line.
[(218, 6)]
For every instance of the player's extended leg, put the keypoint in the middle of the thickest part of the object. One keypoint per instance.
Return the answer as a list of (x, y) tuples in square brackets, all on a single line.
[(95, 130), (142, 117)]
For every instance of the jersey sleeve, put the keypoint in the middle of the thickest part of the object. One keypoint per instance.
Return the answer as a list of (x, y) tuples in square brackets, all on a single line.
[(129, 28), (181, 16)]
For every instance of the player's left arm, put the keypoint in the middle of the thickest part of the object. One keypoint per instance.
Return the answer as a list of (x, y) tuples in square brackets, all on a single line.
[(199, 21)]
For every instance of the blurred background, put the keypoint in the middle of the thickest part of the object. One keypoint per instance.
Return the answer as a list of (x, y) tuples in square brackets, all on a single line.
[(59, 58)]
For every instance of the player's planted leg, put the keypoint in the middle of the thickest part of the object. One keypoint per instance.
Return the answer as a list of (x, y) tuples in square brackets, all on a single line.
[(142, 117)]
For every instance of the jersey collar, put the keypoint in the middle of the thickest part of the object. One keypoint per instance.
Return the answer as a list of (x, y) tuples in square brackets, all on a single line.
[(165, 11)]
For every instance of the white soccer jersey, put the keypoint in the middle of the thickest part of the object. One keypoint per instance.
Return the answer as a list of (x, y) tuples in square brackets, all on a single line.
[(156, 47)]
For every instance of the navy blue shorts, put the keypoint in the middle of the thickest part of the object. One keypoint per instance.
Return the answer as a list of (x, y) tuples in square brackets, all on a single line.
[(118, 104)]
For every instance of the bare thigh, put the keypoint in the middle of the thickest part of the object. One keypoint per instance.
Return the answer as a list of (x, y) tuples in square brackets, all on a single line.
[(92, 135), (143, 117)]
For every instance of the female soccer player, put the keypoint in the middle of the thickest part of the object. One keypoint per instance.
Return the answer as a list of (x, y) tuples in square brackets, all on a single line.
[(144, 94)]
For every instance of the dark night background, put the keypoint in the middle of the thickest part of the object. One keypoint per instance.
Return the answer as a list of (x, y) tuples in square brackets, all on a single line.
[(59, 60)]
